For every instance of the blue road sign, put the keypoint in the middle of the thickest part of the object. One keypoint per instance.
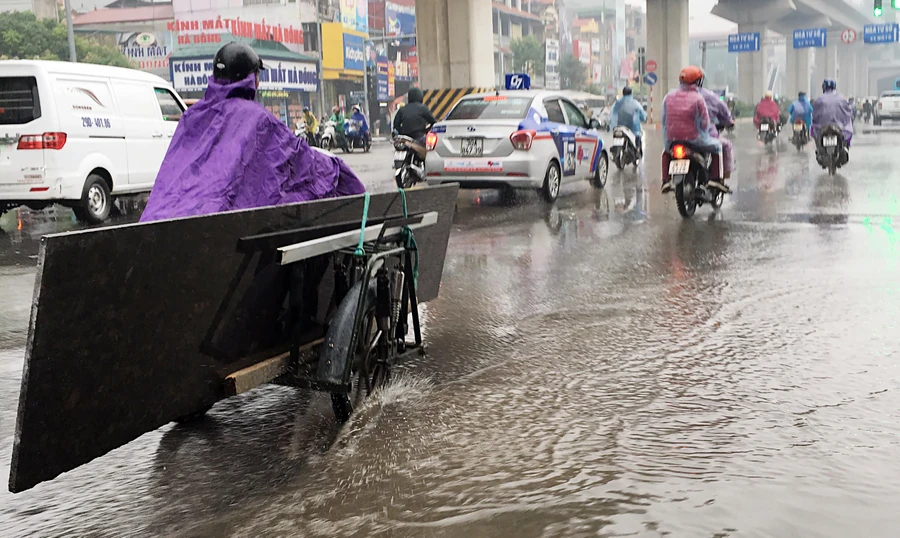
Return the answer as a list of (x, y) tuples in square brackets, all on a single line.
[(518, 81), (874, 34), (747, 42), (815, 38), (650, 79)]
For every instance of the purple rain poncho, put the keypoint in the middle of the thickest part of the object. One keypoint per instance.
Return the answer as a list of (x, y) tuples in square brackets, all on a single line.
[(230, 153), (830, 108)]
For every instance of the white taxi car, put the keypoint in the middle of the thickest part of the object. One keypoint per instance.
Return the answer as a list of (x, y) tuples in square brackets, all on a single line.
[(519, 139)]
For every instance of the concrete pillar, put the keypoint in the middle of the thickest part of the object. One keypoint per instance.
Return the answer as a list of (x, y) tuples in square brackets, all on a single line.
[(829, 62), (753, 67), (846, 79), (862, 76), (455, 41), (668, 43), (797, 71)]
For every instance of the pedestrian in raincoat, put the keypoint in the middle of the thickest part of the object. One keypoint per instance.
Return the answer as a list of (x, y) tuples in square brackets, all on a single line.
[(832, 108), (629, 113), (230, 153), (685, 118), (867, 110), (767, 108), (801, 109), (719, 115)]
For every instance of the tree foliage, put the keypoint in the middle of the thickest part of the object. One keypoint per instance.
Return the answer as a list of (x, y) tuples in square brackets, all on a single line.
[(23, 37), (572, 73), (527, 55)]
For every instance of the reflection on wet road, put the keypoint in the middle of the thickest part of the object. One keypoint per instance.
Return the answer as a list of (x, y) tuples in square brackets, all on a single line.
[(598, 368)]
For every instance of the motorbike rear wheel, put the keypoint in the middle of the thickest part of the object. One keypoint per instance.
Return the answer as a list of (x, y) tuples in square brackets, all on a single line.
[(685, 197), (405, 179)]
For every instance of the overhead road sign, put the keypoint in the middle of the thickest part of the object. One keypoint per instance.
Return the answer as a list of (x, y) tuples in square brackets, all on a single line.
[(875, 34), (813, 38), (746, 42)]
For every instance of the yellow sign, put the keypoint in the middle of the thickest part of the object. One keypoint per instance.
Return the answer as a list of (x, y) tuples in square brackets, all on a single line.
[(333, 52)]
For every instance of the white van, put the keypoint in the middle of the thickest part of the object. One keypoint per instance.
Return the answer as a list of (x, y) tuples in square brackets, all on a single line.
[(80, 134)]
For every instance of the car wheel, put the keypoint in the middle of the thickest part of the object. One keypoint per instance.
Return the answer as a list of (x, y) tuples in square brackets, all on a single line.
[(602, 172), (95, 203), (552, 181)]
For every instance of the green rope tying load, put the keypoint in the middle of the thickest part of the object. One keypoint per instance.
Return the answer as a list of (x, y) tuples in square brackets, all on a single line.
[(407, 234), (410, 241), (360, 250)]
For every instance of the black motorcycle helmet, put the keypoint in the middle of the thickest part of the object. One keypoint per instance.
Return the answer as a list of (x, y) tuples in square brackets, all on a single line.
[(235, 62), (626, 91)]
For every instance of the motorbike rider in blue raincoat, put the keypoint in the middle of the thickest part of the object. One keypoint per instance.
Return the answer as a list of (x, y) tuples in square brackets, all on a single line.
[(832, 108), (359, 117), (801, 109), (629, 113)]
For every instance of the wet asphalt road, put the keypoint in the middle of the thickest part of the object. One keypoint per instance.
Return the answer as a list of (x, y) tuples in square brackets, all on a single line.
[(599, 368)]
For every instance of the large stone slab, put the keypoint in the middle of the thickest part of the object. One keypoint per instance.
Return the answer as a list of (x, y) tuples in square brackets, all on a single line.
[(133, 326)]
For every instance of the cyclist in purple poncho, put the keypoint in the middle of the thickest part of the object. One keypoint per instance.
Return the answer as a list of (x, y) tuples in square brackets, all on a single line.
[(230, 153)]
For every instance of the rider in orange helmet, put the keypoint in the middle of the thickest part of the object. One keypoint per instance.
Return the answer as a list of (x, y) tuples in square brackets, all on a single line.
[(685, 118)]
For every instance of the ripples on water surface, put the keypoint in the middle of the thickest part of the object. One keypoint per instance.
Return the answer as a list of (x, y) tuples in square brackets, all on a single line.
[(588, 376)]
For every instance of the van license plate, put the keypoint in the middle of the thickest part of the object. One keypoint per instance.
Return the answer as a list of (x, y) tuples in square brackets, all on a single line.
[(618, 142), (472, 147), (679, 167), (399, 155), (829, 141)]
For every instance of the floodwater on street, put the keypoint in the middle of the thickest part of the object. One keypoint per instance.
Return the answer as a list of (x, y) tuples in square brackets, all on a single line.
[(597, 368)]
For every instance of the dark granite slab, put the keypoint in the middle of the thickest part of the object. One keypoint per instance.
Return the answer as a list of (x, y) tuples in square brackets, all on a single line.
[(133, 326)]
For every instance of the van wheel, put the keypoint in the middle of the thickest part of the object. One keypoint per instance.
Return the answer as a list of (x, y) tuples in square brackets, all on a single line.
[(96, 201), (552, 180)]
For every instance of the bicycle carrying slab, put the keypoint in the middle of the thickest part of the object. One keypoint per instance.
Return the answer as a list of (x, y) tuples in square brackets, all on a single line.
[(134, 326)]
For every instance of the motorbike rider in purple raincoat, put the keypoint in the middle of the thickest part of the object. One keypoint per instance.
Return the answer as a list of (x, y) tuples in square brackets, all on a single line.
[(832, 108), (230, 153), (719, 115)]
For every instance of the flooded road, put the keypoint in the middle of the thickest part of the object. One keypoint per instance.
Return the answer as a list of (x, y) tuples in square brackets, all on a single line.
[(600, 368)]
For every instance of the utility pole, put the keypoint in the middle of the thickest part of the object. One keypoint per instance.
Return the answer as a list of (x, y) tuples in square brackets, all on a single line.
[(642, 67), (321, 57), (70, 32), (703, 55)]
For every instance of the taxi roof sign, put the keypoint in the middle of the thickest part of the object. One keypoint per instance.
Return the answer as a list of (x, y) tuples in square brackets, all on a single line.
[(518, 81)]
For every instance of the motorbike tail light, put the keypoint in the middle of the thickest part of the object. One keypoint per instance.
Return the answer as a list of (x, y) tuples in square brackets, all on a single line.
[(679, 151), (522, 140), (431, 141), (879, 105), (44, 141)]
